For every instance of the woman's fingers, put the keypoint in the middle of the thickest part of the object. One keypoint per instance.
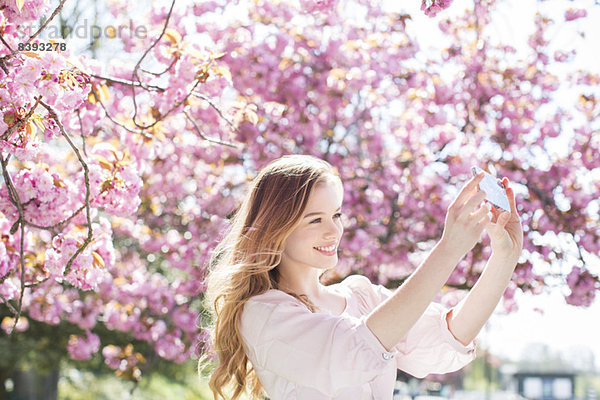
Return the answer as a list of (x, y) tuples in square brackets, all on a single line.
[(511, 195), (464, 193), (472, 203), (481, 215), (495, 214), (503, 219)]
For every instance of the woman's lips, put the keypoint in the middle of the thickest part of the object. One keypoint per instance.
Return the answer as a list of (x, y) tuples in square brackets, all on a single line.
[(327, 253)]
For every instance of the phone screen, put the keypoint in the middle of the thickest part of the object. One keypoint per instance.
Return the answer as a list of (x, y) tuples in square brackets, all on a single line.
[(494, 190)]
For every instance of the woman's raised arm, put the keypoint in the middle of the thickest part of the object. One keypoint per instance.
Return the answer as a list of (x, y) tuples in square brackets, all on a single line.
[(465, 221), (506, 236)]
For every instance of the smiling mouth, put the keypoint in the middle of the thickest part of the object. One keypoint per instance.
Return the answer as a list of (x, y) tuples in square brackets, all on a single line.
[(328, 251)]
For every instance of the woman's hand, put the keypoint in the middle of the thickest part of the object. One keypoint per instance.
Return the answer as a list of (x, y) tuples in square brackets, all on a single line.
[(504, 229), (466, 218)]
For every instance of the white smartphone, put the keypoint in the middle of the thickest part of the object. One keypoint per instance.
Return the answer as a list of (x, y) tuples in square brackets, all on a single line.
[(495, 193)]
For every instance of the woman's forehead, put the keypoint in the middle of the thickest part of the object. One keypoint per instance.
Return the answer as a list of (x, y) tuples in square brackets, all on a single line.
[(326, 192)]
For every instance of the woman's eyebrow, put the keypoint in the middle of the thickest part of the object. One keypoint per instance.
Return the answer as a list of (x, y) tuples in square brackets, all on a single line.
[(319, 213)]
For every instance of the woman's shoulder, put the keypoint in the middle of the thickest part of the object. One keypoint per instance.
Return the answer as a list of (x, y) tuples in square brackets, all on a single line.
[(360, 282), (358, 285), (263, 314), (269, 301), (368, 294), (272, 296)]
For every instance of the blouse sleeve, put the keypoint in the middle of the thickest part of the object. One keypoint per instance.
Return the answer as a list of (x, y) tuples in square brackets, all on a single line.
[(429, 347), (316, 350)]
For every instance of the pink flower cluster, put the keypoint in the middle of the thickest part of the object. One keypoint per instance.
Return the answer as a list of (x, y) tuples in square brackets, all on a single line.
[(83, 347), (124, 361), (584, 287), (311, 6), (575, 13), (89, 268), (433, 7), (47, 198), (5, 264), (31, 11), (114, 180), (8, 323), (59, 86)]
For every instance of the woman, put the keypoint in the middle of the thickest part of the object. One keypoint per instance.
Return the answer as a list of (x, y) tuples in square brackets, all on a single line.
[(280, 332)]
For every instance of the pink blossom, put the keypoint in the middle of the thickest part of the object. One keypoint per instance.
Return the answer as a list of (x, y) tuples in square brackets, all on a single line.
[(8, 323), (82, 348), (561, 56), (432, 7), (185, 319), (31, 69), (72, 100), (111, 356), (32, 10), (53, 62), (171, 347), (575, 13), (5, 266), (204, 7), (318, 5)]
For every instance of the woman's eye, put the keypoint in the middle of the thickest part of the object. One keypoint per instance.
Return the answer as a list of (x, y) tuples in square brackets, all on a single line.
[(338, 215)]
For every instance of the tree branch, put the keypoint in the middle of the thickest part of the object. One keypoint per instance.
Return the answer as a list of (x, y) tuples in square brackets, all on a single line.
[(137, 66), (203, 136), (21, 121), (87, 185), (14, 198)]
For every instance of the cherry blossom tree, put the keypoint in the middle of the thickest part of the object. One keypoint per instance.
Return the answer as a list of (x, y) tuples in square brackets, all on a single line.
[(119, 175)]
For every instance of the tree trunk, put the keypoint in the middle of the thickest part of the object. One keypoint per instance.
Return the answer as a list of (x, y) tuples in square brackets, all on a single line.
[(33, 385), (4, 375)]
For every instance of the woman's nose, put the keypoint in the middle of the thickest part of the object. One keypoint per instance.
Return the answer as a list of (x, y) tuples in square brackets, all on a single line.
[(333, 231)]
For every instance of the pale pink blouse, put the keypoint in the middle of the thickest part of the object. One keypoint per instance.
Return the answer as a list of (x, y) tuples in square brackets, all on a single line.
[(301, 355)]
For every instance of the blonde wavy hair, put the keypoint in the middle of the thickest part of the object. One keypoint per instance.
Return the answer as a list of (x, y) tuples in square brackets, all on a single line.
[(244, 263)]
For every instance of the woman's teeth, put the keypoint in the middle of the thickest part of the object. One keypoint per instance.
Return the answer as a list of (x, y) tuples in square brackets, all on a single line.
[(327, 249)]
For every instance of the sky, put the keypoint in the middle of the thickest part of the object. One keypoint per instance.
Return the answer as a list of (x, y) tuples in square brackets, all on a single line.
[(560, 326)]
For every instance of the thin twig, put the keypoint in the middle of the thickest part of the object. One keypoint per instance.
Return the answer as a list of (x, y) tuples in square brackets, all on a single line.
[(54, 116), (134, 73), (161, 73), (10, 306), (82, 134), (5, 43), (34, 284), (128, 83), (54, 14), (203, 136), (97, 97), (213, 105), (21, 121), (158, 89), (157, 120), (14, 198)]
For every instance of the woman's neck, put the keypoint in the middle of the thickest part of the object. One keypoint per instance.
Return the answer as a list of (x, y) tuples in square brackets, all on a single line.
[(301, 281)]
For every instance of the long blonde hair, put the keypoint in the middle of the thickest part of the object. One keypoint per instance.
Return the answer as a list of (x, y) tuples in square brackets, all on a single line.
[(244, 263)]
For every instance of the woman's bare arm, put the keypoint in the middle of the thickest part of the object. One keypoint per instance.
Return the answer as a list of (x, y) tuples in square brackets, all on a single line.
[(465, 221), (506, 235)]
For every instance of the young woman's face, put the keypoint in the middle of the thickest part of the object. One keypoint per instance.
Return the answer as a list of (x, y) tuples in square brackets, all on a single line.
[(315, 240)]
